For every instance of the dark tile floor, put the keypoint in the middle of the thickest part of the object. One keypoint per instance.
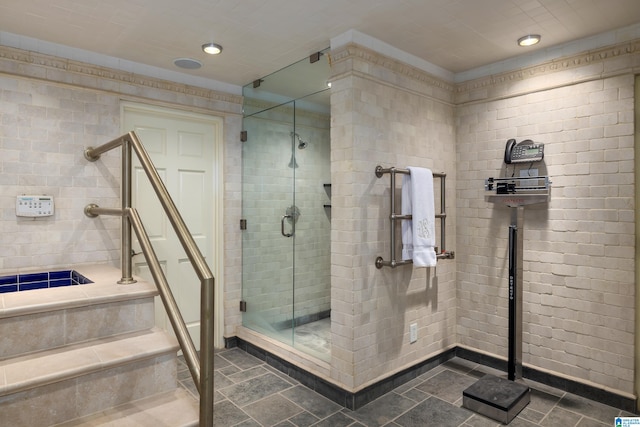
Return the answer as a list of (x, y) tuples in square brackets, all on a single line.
[(249, 393)]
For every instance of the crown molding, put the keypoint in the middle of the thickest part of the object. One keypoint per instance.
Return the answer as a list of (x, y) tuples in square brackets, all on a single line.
[(621, 58), (36, 65), (353, 50), (626, 55)]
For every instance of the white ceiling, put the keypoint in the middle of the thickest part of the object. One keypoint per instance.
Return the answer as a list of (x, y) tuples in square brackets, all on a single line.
[(262, 36)]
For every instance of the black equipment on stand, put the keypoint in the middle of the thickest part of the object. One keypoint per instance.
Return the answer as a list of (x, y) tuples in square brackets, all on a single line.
[(496, 397)]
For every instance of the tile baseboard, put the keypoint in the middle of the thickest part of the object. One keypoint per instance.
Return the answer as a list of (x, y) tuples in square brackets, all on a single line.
[(353, 401)]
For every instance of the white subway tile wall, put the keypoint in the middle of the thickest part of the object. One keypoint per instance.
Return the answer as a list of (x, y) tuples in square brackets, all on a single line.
[(50, 110), (45, 127), (578, 250), (390, 114)]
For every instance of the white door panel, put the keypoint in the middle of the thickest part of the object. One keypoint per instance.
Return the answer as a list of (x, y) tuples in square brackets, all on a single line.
[(154, 140), (192, 202), (144, 198), (190, 293), (182, 149)]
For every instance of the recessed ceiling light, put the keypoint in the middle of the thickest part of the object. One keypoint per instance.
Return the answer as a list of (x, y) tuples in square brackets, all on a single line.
[(529, 40), (188, 63), (212, 48)]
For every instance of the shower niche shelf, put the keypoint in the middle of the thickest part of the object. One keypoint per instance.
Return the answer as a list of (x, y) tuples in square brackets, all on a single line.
[(327, 188)]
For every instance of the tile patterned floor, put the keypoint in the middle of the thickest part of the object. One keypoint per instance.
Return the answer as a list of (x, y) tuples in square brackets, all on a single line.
[(250, 393)]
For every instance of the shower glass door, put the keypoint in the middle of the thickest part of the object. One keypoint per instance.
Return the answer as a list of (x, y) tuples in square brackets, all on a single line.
[(268, 205), (286, 202)]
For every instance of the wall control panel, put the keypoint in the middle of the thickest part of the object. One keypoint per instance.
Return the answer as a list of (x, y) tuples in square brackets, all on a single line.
[(34, 206)]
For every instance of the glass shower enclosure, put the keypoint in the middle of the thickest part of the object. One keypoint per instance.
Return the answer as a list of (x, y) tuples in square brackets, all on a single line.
[(286, 203)]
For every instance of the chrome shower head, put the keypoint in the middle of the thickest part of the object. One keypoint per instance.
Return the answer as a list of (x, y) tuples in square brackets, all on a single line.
[(301, 144)]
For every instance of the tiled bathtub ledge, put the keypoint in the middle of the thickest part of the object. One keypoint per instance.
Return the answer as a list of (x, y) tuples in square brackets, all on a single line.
[(103, 289), (44, 280)]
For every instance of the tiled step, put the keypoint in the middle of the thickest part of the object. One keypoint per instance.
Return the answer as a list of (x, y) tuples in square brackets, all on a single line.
[(172, 409), (38, 320), (89, 355), (58, 385)]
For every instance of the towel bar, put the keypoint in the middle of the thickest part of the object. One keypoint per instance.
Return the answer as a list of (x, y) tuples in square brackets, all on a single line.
[(393, 217)]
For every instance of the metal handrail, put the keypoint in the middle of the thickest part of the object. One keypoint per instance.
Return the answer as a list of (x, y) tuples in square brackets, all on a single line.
[(202, 369)]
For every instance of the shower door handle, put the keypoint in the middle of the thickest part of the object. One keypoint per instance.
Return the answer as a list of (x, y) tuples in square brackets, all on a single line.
[(293, 227)]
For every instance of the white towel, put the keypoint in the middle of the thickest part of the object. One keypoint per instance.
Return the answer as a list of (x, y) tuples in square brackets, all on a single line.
[(419, 233)]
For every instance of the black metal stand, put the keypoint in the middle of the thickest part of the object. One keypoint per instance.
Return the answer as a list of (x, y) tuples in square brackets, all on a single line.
[(513, 276), (514, 366), (492, 396)]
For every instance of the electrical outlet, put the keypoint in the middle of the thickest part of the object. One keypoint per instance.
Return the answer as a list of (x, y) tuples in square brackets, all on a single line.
[(413, 332)]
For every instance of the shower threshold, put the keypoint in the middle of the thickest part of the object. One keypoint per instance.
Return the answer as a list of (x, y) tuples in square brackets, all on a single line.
[(313, 338)]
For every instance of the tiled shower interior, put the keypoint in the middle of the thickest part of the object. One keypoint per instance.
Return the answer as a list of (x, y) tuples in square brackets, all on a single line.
[(287, 207)]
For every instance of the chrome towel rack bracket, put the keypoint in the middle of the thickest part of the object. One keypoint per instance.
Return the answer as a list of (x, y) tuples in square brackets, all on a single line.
[(394, 217)]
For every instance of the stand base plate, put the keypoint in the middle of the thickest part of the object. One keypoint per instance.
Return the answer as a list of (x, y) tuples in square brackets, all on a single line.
[(496, 398)]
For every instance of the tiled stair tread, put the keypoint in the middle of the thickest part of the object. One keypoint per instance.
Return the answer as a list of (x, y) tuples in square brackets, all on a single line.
[(47, 367), (176, 409), (28, 334), (42, 300)]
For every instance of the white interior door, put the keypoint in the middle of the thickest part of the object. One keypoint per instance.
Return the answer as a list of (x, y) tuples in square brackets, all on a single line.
[(183, 150)]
